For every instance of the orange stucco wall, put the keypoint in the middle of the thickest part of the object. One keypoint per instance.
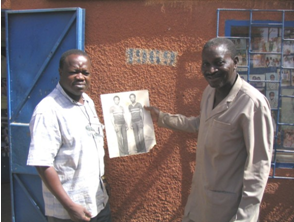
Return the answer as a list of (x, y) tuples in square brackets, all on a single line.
[(152, 186)]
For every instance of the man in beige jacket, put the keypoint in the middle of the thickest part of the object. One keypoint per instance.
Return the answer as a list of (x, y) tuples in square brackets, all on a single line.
[(235, 140)]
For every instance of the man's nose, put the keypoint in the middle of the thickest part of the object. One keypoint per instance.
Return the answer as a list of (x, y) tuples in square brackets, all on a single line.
[(80, 76), (210, 69), (213, 69)]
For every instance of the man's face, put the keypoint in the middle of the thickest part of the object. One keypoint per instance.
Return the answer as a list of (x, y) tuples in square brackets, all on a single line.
[(116, 100), (272, 96), (133, 99), (75, 75), (218, 68)]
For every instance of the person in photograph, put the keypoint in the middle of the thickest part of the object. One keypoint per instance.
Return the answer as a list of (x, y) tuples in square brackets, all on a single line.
[(256, 47), (273, 100), (285, 77), (292, 101), (287, 61), (272, 85), (239, 44), (259, 83), (67, 146), (287, 48), (137, 123), (233, 160), (267, 62), (271, 62), (120, 126), (262, 61), (292, 145), (287, 140), (255, 81)]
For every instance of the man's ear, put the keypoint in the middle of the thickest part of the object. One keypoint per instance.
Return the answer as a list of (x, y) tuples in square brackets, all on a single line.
[(59, 70), (236, 60)]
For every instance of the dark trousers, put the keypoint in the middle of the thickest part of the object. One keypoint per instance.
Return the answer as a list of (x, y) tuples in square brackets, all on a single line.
[(122, 140), (139, 136), (103, 216)]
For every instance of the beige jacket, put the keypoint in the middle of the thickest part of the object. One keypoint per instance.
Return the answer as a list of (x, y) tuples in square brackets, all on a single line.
[(234, 150)]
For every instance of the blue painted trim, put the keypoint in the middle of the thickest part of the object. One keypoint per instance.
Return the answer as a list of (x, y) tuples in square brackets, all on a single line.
[(41, 10), (30, 198), (44, 65), (261, 23), (80, 26)]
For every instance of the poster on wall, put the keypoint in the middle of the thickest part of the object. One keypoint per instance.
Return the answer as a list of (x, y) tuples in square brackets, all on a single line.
[(288, 47), (272, 96), (286, 75), (264, 39), (288, 138), (257, 81), (272, 77), (129, 127), (241, 47), (288, 61)]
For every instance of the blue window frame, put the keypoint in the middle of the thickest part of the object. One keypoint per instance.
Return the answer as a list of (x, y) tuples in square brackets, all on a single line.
[(266, 60)]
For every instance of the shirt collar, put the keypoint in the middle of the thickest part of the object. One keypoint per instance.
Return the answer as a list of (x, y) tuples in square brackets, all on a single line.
[(235, 89)]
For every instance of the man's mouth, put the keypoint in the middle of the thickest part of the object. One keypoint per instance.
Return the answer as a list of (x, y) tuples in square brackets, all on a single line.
[(212, 76), (80, 85)]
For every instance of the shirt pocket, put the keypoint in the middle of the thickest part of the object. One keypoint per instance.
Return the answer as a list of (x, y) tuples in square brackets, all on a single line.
[(218, 135)]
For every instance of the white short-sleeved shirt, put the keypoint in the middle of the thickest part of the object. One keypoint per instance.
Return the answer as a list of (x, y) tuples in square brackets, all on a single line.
[(67, 135)]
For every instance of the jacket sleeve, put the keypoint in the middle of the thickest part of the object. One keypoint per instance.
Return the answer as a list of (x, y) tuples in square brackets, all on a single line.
[(258, 135), (179, 122)]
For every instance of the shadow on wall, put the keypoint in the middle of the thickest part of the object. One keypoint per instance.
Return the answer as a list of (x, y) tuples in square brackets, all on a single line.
[(153, 177), (170, 168)]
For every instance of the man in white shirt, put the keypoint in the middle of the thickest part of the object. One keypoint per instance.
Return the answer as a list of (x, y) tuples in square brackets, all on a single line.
[(235, 141), (67, 146)]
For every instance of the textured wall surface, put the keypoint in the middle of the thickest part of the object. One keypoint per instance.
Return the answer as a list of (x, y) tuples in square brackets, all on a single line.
[(152, 186)]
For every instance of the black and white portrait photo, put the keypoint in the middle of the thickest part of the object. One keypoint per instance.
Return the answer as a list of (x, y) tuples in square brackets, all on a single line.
[(129, 127)]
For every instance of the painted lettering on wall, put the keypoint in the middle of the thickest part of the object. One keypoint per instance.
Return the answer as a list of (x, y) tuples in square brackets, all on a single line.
[(151, 57)]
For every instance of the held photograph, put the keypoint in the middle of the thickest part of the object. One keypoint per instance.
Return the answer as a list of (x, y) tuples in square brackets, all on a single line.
[(129, 127)]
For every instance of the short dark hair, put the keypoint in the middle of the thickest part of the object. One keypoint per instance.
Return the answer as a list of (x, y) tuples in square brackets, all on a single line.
[(71, 52), (222, 41), (116, 97), (132, 94)]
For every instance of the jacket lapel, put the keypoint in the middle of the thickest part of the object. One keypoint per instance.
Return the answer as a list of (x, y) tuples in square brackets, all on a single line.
[(225, 103)]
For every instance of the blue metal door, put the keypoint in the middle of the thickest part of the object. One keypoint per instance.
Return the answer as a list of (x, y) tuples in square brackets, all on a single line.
[(35, 41)]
